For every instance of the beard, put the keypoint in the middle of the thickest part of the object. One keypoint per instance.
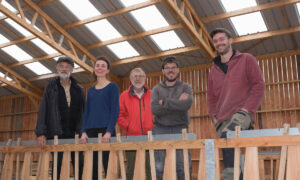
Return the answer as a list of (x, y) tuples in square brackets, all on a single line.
[(138, 86), (226, 49), (64, 75), (171, 80)]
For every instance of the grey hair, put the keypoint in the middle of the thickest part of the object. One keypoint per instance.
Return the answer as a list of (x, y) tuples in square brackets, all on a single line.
[(137, 70)]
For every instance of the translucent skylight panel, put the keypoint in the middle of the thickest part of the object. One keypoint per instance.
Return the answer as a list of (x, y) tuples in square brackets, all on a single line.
[(43, 46), (17, 53), (231, 5), (127, 3), (3, 76), (167, 40), (298, 8), (123, 50), (8, 6), (103, 30), (150, 18), (81, 9), (38, 68), (3, 39), (249, 23), (19, 28)]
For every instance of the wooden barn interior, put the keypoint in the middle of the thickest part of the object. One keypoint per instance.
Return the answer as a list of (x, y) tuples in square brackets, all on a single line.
[(34, 33)]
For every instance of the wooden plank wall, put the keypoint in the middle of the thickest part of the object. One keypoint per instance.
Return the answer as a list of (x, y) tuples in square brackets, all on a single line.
[(281, 103)]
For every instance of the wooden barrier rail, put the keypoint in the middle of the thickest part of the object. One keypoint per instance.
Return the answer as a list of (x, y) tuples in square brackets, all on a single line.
[(116, 167)]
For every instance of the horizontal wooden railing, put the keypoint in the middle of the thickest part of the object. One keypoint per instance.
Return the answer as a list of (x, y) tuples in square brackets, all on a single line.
[(17, 160)]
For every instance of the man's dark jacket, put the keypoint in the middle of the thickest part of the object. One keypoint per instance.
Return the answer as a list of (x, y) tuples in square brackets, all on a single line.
[(49, 121)]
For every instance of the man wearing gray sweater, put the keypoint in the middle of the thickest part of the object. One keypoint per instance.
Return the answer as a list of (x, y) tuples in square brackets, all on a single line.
[(170, 101)]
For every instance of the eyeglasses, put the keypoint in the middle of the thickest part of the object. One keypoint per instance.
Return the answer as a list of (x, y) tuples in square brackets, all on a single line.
[(138, 76), (170, 68)]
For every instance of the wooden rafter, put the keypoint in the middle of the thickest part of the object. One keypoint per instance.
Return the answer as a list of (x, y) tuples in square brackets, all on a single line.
[(261, 7), (255, 45), (192, 24), (20, 88), (134, 32), (154, 56), (266, 34), (49, 56), (287, 24), (111, 14), (8, 71), (131, 60), (135, 36), (74, 45)]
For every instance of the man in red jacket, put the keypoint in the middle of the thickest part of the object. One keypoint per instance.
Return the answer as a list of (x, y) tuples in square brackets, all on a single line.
[(235, 91), (135, 117)]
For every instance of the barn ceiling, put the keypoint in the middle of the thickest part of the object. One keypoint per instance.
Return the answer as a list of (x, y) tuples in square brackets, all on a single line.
[(53, 23)]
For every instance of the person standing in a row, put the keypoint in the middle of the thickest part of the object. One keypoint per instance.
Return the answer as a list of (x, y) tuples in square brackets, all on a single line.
[(171, 100), (101, 112), (235, 91), (61, 110), (135, 118)]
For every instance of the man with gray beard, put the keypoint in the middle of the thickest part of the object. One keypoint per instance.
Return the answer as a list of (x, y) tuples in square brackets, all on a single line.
[(61, 109), (135, 117)]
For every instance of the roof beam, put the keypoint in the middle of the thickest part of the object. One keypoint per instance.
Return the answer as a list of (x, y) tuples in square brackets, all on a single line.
[(47, 21), (20, 88), (279, 54), (42, 36), (130, 60), (49, 56), (111, 14), (287, 24), (263, 35), (157, 55), (266, 34), (260, 7), (34, 91), (192, 24), (135, 36)]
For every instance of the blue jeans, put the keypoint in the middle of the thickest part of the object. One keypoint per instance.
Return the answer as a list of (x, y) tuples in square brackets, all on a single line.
[(161, 154)]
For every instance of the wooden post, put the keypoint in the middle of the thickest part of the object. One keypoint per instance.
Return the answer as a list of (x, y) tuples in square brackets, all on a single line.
[(293, 156), (7, 164), (76, 167), (44, 170), (112, 170), (283, 155), (152, 159), (217, 161), (202, 165), (139, 166), (121, 159), (293, 170), (38, 170), (251, 170), (170, 164), (100, 164), (88, 165), (65, 166), (55, 159), (186, 157), (237, 155), (18, 161), (26, 166)]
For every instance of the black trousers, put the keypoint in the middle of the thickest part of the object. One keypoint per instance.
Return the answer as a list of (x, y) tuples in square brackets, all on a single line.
[(93, 132)]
